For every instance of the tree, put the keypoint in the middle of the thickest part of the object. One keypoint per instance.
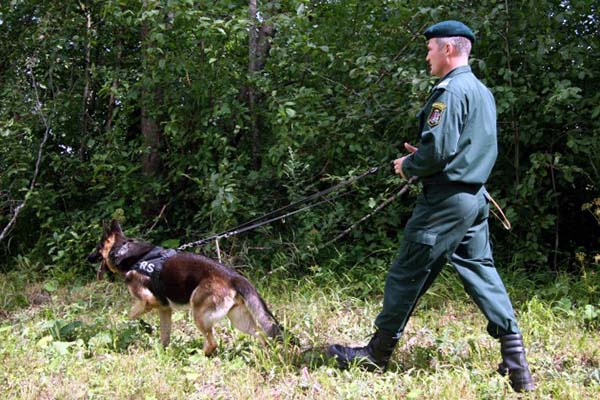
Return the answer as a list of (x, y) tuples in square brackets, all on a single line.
[(216, 112)]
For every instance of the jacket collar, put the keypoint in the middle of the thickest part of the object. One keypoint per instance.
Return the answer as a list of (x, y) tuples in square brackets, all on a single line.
[(458, 70), (442, 83)]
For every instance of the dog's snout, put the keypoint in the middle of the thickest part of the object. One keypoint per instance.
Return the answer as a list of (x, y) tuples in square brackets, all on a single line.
[(94, 257)]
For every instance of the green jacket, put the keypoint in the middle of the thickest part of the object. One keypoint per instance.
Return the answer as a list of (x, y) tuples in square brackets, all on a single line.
[(458, 132)]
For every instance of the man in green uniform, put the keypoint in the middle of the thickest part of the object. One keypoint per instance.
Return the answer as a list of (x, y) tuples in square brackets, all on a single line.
[(456, 153)]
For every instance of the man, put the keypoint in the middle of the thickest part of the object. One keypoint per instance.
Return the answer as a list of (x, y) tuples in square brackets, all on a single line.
[(456, 153)]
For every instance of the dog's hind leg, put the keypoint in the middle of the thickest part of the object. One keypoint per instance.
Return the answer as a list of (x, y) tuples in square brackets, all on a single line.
[(208, 307), (165, 325), (242, 319)]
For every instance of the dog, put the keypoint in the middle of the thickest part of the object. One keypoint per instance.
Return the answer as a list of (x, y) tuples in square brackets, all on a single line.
[(160, 279)]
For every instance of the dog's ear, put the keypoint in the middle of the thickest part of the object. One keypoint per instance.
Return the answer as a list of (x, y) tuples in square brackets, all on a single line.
[(105, 230), (115, 227)]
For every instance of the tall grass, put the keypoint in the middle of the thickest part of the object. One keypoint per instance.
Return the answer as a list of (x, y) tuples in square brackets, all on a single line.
[(75, 342)]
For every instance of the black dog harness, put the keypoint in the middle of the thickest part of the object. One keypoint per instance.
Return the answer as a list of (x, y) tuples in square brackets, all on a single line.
[(151, 265)]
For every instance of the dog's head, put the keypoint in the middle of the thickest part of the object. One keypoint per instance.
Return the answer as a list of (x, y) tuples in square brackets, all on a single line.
[(116, 252)]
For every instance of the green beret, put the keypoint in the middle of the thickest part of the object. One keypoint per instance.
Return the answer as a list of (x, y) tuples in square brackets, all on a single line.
[(449, 28)]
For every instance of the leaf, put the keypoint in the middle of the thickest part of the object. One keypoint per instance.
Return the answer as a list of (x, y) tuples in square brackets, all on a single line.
[(590, 312), (44, 341), (51, 286), (101, 340), (170, 243), (62, 347)]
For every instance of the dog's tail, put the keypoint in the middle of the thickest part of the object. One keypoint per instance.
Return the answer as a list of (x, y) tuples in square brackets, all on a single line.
[(258, 308)]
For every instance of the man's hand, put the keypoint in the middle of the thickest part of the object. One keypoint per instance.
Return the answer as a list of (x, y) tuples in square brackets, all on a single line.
[(398, 162), (410, 147), (398, 166)]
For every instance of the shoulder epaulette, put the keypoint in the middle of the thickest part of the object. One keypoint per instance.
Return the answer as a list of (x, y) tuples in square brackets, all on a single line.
[(443, 84)]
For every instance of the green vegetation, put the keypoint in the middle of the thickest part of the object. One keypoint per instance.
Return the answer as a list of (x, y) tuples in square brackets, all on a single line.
[(75, 341), (174, 117), (169, 112)]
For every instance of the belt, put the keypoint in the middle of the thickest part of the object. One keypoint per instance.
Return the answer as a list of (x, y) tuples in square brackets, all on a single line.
[(469, 187)]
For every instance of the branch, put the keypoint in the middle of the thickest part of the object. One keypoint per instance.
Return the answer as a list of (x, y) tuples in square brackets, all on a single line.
[(37, 110), (375, 211)]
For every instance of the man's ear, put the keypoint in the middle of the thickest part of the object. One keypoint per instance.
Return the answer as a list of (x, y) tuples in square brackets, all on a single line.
[(448, 49)]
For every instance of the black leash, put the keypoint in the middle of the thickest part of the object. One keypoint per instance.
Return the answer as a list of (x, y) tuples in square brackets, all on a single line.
[(273, 215)]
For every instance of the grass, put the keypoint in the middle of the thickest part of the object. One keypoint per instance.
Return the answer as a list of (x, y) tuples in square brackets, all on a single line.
[(74, 341)]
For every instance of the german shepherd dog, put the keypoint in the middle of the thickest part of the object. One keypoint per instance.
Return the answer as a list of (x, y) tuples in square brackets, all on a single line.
[(160, 279)]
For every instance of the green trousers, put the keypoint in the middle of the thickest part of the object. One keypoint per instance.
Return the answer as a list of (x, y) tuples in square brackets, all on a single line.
[(449, 224)]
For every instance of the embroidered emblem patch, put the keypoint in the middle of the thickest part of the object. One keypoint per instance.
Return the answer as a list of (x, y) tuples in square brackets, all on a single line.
[(435, 115)]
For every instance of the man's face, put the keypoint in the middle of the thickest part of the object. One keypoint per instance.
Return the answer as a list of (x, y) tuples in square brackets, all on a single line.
[(436, 57)]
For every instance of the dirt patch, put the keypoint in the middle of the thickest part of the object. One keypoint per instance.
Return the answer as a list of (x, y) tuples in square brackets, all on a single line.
[(36, 295)]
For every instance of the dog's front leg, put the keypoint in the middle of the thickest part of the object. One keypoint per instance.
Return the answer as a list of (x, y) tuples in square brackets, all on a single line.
[(165, 325), (139, 307)]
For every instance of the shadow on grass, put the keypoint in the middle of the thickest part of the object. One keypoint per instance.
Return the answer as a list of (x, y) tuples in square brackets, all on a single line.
[(420, 358)]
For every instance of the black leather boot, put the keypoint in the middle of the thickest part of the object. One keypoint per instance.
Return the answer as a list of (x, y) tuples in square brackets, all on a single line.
[(374, 356), (514, 363)]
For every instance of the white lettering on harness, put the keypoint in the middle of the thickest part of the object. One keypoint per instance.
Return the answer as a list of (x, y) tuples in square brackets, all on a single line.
[(147, 267)]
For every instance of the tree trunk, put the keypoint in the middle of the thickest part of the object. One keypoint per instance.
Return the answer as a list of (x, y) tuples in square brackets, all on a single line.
[(111, 105), (252, 68), (152, 165), (258, 49), (85, 117), (113, 89), (151, 159)]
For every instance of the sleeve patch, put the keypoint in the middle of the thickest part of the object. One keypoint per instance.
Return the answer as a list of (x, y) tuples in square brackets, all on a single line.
[(436, 113)]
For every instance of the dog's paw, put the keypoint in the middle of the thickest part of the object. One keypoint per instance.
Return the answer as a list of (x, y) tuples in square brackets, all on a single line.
[(146, 327)]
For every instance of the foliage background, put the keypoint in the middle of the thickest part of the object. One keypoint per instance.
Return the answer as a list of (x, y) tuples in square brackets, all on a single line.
[(335, 91)]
